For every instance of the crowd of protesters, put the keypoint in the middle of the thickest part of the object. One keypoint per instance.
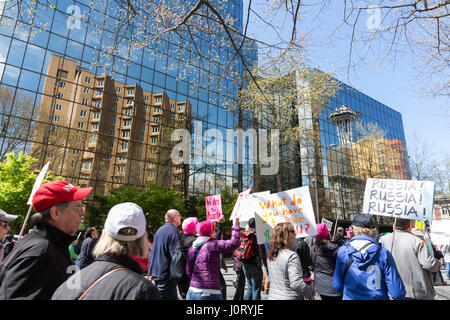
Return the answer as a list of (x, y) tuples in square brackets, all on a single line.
[(121, 264)]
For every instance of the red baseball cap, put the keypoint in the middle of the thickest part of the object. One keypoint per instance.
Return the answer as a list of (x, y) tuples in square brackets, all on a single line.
[(51, 193)]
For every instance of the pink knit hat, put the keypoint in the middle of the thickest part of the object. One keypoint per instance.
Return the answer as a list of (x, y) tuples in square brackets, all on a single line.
[(189, 225), (205, 228), (322, 231)]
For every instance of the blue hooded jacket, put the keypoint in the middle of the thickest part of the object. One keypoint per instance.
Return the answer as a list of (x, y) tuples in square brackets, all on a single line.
[(372, 275)]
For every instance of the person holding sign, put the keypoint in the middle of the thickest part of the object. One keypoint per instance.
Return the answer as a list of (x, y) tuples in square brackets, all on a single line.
[(364, 269), (414, 262), (203, 261), (283, 264), (40, 262)]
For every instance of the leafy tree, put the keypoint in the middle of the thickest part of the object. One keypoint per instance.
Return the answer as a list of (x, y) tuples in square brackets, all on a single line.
[(16, 182), (155, 201)]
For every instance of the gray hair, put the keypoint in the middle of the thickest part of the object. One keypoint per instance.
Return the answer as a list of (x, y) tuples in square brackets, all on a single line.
[(371, 232), (44, 215), (170, 215)]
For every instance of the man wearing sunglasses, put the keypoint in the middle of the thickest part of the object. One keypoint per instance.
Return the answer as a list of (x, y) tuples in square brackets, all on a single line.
[(5, 219), (41, 262)]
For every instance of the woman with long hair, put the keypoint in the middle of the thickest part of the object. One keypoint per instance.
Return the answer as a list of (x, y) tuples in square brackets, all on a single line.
[(203, 261), (286, 280)]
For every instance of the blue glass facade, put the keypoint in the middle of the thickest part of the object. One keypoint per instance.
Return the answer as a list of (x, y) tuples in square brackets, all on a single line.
[(346, 152), (82, 32)]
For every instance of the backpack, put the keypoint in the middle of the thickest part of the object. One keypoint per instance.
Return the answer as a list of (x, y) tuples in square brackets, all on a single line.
[(246, 251), (178, 264)]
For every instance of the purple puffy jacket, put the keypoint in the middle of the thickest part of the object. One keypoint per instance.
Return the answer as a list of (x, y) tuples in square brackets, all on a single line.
[(205, 273)]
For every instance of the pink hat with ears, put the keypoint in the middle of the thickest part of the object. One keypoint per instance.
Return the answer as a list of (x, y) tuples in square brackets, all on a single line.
[(322, 231), (189, 225), (205, 228)]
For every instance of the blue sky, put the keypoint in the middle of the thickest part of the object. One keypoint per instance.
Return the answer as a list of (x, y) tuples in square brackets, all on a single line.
[(395, 86)]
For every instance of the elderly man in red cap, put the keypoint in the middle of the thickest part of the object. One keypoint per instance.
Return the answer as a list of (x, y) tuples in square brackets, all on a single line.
[(41, 262)]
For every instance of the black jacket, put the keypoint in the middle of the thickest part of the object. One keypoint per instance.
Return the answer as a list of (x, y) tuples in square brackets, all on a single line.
[(324, 262), (37, 266), (185, 244), (7, 248), (303, 252), (87, 247), (126, 284)]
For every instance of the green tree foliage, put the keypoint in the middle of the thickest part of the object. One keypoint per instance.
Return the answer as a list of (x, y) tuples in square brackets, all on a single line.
[(155, 201), (16, 182)]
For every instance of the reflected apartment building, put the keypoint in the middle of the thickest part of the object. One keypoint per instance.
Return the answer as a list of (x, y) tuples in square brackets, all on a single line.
[(103, 113), (97, 131)]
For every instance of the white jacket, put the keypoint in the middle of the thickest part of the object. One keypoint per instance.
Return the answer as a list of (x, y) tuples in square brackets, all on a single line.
[(286, 279)]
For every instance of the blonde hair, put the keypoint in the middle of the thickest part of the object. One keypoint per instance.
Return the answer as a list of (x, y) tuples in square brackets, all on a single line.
[(364, 231), (108, 245)]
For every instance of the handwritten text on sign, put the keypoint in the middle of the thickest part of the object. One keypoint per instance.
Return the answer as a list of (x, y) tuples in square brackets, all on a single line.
[(399, 198), (288, 206), (213, 207)]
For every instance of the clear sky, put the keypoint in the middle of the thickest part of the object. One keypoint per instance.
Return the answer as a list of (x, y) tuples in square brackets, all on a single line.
[(394, 86)]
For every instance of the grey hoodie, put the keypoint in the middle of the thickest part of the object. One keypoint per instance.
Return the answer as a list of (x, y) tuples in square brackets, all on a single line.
[(414, 263)]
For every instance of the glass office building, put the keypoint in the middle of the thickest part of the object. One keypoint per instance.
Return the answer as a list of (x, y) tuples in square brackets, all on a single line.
[(356, 137), (352, 138), (102, 109)]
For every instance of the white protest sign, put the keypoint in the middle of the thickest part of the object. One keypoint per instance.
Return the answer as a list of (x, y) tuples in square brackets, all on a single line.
[(38, 182), (240, 204), (440, 232), (328, 223), (293, 206), (248, 210), (405, 199)]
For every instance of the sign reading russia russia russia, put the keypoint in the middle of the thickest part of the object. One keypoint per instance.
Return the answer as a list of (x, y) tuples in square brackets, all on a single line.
[(399, 198)]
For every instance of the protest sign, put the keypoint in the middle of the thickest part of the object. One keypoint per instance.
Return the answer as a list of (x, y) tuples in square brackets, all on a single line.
[(420, 225), (248, 211), (38, 182), (288, 206), (328, 223), (36, 186), (405, 199), (213, 207), (240, 204), (440, 232)]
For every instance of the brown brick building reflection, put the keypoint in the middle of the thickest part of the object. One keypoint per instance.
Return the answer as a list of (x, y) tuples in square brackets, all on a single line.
[(99, 132)]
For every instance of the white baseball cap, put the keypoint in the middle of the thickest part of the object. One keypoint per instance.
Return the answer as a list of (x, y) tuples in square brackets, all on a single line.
[(7, 217), (125, 215)]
